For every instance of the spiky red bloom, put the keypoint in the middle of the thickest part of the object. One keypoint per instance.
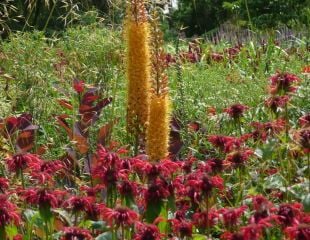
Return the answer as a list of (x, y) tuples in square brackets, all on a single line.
[(79, 203), (288, 214), (236, 111), (156, 192), (147, 232), (119, 216), (232, 215), (4, 184), (127, 188), (8, 212), (304, 139), (275, 102), (78, 85), (298, 232), (225, 143), (205, 219), (282, 83), (41, 196), (22, 161), (263, 130), (182, 228), (304, 121), (240, 157), (74, 233), (232, 236)]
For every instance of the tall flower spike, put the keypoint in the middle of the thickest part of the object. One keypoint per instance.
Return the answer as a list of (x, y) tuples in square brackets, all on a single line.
[(158, 127), (138, 67)]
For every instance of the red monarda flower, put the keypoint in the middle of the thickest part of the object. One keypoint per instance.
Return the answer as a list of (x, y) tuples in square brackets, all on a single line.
[(236, 111), (263, 130), (79, 203), (232, 236), (147, 232), (8, 212), (42, 197), (298, 232), (225, 143), (120, 216), (275, 102), (75, 233), (282, 83), (303, 138), (156, 192), (288, 214), (182, 228), (216, 165), (231, 215), (22, 161), (78, 85), (240, 157), (205, 219), (127, 188), (304, 121)]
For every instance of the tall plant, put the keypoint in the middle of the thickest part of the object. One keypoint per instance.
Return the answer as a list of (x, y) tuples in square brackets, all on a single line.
[(138, 68), (158, 127)]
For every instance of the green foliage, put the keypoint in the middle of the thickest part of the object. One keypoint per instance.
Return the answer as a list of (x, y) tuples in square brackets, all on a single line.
[(201, 16)]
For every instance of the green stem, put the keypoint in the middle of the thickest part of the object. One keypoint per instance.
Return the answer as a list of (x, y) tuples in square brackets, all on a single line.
[(2, 232), (50, 16), (248, 13)]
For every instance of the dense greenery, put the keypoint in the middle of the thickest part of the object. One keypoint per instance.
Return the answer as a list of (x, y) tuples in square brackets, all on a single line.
[(197, 16), (201, 16)]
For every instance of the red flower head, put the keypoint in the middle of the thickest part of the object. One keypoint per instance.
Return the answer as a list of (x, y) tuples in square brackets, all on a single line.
[(304, 121), (207, 184), (120, 216), (79, 203), (205, 219), (157, 191), (75, 233), (303, 138), (42, 197), (288, 214), (275, 102), (128, 189), (78, 85), (22, 161), (261, 206), (298, 232), (225, 143), (182, 228), (231, 215), (253, 231), (240, 157), (236, 111), (282, 83), (232, 236), (8, 213), (306, 69), (147, 232), (215, 164)]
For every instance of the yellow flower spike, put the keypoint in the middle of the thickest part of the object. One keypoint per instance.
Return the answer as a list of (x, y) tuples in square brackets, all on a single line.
[(158, 127), (138, 67), (157, 135)]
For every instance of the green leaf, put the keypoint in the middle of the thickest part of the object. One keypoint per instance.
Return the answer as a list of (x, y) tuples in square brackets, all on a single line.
[(199, 237), (306, 203), (104, 236), (11, 231), (153, 210), (164, 214)]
